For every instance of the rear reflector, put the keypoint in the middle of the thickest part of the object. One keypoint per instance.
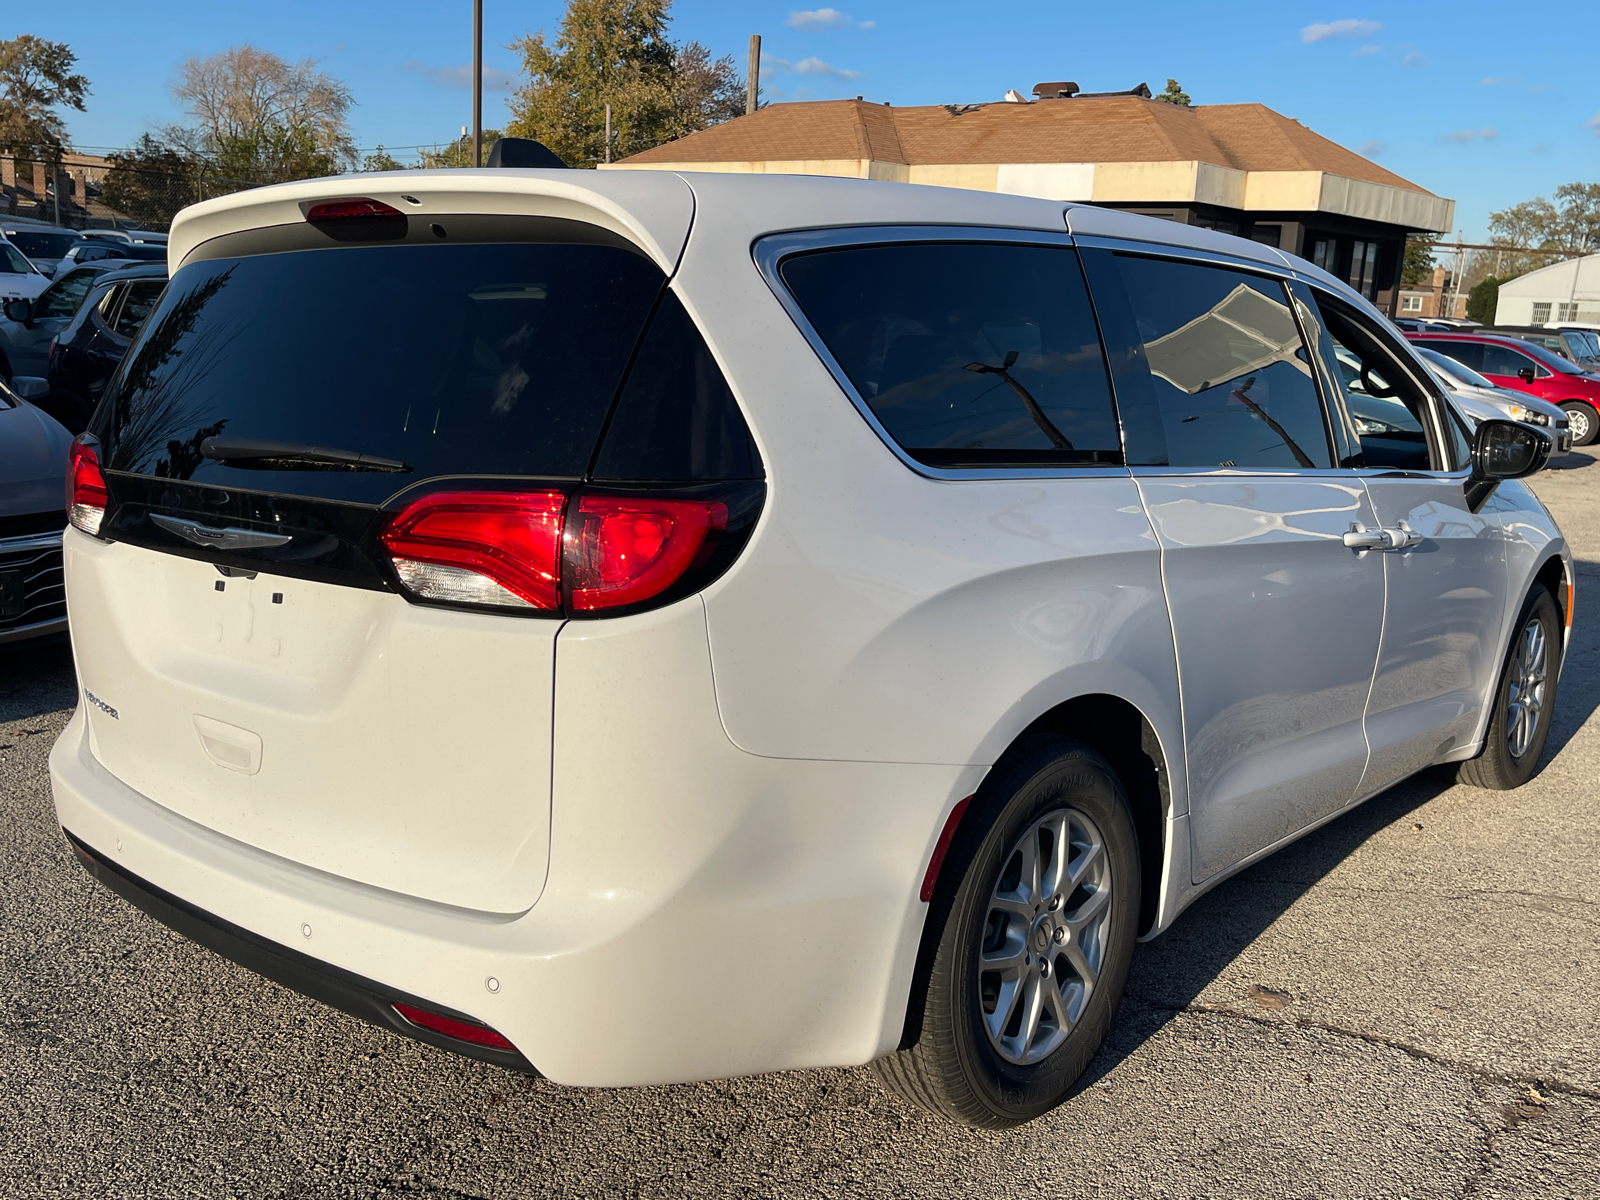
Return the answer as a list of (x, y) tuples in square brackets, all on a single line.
[(481, 547), (334, 212), (478, 1035), (86, 486), (941, 848), (623, 550)]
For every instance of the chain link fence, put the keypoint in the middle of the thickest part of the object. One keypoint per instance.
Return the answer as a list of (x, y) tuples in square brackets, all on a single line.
[(85, 191)]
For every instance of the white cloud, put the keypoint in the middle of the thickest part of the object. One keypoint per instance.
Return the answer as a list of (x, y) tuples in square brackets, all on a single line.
[(1321, 31), (1368, 49), (460, 78), (1371, 149), (1414, 59), (867, 25), (1594, 124), (809, 66), (818, 18), (1461, 137)]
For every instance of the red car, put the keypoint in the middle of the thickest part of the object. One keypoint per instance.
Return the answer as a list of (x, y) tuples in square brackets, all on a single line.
[(1522, 366)]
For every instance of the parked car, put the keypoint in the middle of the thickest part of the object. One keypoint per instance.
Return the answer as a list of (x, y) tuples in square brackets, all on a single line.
[(1521, 366), (44, 247), (1422, 325), (1576, 345), (29, 326), (19, 278), (95, 249), (1481, 399), (830, 632), (84, 355), (33, 467)]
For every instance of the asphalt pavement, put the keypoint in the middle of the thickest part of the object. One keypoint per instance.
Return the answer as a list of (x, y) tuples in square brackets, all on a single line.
[(1403, 1004)]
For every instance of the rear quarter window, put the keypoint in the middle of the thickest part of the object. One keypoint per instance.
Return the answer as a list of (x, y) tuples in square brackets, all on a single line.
[(968, 354)]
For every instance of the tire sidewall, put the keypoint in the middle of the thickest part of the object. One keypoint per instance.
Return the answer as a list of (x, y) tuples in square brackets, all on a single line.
[(1081, 780)]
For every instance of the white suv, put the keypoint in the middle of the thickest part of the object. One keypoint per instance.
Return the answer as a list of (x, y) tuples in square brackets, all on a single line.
[(646, 627)]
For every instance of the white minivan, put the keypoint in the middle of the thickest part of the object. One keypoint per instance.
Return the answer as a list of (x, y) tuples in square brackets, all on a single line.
[(644, 627)]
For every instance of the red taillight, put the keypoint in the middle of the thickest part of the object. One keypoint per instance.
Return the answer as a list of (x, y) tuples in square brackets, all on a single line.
[(481, 547), (623, 550), (86, 487), (480, 1035), (337, 212)]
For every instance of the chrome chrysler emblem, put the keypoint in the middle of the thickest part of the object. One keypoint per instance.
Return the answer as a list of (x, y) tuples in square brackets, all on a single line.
[(228, 538)]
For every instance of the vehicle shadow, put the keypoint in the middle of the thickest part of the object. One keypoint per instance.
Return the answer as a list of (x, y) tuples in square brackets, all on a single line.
[(1570, 462), (36, 678)]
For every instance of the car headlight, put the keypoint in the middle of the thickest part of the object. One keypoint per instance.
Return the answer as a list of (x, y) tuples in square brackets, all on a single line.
[(1527, 416)]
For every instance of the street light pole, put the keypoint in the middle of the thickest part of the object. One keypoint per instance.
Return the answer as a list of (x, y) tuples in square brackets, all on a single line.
[(477, 83)]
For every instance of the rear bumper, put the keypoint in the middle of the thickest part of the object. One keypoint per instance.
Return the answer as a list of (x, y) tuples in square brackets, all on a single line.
[(344, 990)]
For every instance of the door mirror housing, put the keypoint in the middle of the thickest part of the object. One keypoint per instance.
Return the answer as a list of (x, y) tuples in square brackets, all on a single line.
[(1508, 450), (1526, 374), (30, 387), (19, 310)]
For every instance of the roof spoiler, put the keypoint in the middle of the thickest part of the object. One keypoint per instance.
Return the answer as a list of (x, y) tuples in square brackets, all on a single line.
[(522, 152)]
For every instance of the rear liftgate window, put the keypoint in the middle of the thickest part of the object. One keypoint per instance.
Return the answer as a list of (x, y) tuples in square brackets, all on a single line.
[(970, 355), (447, 360)]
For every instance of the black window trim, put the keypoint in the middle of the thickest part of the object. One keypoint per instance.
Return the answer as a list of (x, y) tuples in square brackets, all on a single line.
[(769, 253), (1400, 347)]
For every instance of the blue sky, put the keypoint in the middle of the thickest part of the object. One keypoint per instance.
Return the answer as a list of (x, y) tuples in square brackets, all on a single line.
[(1466, 99)]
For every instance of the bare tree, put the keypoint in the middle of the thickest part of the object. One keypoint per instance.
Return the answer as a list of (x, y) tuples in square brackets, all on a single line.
[(258, 117)]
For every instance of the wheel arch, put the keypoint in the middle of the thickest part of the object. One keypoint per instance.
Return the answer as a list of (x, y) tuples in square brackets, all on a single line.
[(1124, 736)]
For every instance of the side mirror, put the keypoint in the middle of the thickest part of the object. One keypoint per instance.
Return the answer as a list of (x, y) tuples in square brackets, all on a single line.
[(1508, 450), (30, 387), (1526, 374), (19, 310)]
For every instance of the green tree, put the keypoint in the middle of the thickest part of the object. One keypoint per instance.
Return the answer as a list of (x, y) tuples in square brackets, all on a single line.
[(36, 79), (1174, 95), (618, 52), (1483, 299), (381, 160), (150, 181), (1570, 225), (1418, 265), (459, 152)]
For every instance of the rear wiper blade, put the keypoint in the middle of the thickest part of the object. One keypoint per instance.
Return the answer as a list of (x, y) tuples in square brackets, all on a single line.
[(244, 450)]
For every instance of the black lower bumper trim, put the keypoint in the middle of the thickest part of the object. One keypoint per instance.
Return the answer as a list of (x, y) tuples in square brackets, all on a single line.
[(344, 990)]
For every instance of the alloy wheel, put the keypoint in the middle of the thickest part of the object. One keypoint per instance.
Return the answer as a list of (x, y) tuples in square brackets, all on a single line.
[(1045, 936), (1525, 701)]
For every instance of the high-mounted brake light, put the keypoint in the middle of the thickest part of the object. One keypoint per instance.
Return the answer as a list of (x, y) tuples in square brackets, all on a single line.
[(86, 486), (480, 1035), (481, 547), (337, 212), (623, 550)]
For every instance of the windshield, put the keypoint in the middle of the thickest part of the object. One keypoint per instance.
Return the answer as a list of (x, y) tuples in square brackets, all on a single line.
[(464, 359), (42, 245), (1456, 371), (12, 262), (1549, 358)]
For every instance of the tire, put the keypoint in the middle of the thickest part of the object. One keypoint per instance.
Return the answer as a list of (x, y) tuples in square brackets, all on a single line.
[(971, 1063), (1582, 420), (1520, 722)]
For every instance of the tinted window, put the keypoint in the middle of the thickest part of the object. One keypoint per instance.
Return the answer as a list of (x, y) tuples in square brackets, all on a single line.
[(61, 299), (42, 245), (12, 261), (142, 297), (1502, 360), (970, 355), (1468, 354), (1226, 368), (480, 359), (676, 419)]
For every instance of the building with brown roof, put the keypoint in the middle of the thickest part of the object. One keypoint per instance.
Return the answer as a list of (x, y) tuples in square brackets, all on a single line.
[(1238, 168)]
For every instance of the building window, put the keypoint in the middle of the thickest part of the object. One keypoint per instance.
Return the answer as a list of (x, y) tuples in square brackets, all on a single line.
[(1267, 235), (1322, 252), (1364, 267), (1410, 303), (1541, 313), (1566, 312)]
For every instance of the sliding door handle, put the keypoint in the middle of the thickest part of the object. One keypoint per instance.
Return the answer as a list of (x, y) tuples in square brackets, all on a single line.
[(1399, 538)]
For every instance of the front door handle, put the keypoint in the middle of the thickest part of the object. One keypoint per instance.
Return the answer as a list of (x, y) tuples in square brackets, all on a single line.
[(1399, 538)]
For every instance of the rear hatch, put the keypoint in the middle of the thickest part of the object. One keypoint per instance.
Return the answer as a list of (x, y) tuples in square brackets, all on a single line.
[(253, 658)]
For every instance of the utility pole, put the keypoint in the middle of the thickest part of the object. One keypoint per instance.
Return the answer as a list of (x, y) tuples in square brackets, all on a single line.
[(477, 83), (608, 133), (752, 81)]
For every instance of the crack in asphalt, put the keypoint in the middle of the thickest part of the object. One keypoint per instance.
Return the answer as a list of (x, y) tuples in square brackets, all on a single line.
[(1464, 1069)]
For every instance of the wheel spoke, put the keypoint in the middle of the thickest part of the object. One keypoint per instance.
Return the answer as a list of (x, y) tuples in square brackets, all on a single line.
[(1061, 1005), (1090, 856), (1086, 912), (1080, 963), (1053, 877), (1028, 885), (1011, 991), (1033, 1001)]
